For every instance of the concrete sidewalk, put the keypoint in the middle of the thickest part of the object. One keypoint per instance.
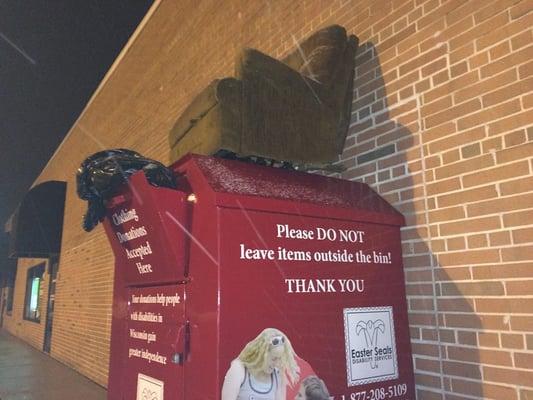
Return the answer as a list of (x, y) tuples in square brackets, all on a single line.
[(28, 374)]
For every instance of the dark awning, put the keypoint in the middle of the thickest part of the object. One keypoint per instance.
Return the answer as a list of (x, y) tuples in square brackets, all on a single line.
[(37, 224)]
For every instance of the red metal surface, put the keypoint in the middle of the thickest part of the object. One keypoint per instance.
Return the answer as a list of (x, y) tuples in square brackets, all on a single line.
[(257, 247)]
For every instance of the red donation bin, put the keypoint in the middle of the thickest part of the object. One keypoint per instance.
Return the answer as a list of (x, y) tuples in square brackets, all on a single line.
[(202, 271)]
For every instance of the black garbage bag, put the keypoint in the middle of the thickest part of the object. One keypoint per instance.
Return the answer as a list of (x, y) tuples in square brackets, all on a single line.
[(101, 174)]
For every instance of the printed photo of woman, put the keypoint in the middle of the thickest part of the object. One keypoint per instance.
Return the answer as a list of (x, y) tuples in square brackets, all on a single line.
[(312, 388), (263, 369)]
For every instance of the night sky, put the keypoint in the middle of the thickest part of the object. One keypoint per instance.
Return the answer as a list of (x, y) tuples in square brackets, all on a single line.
[(53, 54)]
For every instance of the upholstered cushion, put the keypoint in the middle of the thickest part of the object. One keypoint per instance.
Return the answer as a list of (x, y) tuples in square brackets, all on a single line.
[(317, 57)]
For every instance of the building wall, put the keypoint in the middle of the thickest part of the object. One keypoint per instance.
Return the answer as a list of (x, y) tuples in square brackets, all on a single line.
[(30, 331), (441, 126)]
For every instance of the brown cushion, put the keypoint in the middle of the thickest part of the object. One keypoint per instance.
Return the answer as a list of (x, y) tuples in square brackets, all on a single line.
[(318, 55)]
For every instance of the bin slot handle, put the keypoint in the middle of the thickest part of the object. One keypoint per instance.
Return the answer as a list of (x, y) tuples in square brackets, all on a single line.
[(183, 342)]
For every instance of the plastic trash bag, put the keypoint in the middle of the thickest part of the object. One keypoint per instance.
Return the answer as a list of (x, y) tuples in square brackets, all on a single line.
[(102, 173)]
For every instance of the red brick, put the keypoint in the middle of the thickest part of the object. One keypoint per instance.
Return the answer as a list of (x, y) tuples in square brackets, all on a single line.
[(488, 339), (407, 92), (506, 93), (525, 70), (514, 153), (520, 288), (447, 335), (487, 288), (451, 156), (503, 204), (493, 144), (473, 225), (467, 338), (490, 357), (523, 236), (522, 324), (375, 131), (428, 395), (521, 9), (436, 106), (472, 135), (390, 17), (521, 40), (510, 61), (462, 53), (456, 243), (470, 371), (459, 69), (402, 82), (517, 253), (430, 334), (477, 241), (518, 218), (439, 13), (453, 274), (529, 342), (463, 196), (403, 108), (465, 387), (425, 349), (478, 60), (397, 38), (464, 166), (508, 376), (425, 364), (473, 321), (526, 394), (426, 319), (499, 51), (492, 8), (491, 391), (418, 261), (451, 86), (502, 271), (440, 77), (511, 123), (479, 30), (424, 59), (469, 257), (489, 114), (496, 174), (499, 238), (438, 132), (485, 86), (427, 380), (515, 138), (421, 304), (512, 341), (419, 289), (503, 31), (455, 304), (505, 305), (446, 214), (527, 101)]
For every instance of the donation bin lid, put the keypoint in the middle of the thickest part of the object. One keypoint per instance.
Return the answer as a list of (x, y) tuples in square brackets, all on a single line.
[(252, 186)]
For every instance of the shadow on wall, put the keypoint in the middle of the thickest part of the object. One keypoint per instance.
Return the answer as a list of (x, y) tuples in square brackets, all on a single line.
[(388, 156)]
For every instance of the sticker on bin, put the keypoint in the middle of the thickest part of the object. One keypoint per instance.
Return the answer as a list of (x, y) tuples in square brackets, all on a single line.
[(149, 388), (370, 345)]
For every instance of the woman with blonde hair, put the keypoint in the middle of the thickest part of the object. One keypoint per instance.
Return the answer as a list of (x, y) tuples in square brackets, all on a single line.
[(263, 369)]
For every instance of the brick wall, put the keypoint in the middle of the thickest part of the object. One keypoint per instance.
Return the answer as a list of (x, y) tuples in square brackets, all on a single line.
[(441, 127), (30, 331), (445, 88)]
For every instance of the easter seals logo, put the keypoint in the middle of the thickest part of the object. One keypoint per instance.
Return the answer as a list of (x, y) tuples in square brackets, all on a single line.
[(370, 345), (149, 388)]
